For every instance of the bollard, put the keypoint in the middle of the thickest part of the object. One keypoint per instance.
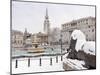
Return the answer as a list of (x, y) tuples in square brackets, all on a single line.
[(56, 59), (28, 62), (61, 58), (16, 64), (40, 62), (50, 61)]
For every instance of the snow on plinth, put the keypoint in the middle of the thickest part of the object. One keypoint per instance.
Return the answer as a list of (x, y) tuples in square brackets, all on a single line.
[(73, 64), (89, 47)]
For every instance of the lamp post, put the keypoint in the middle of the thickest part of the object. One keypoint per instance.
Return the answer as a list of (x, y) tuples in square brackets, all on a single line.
[(61, 46), (61, 42)]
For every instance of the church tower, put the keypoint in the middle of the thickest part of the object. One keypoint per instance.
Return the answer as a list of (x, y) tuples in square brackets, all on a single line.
[(46, 23), (24, 36)]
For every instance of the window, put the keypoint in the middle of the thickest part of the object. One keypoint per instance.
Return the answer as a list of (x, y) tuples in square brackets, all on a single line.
[(92, 30), (86, 35), (86, 22), (15, 41), (86, 19), (15, 37), (73, 24), (89, 26)]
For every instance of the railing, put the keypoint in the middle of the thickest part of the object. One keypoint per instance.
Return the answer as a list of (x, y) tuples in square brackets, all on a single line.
[(40, 61)]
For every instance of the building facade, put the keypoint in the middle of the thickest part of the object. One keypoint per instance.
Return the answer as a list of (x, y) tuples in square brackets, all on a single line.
[(86, 25), (17, 39), (43, 38), (40, 38)]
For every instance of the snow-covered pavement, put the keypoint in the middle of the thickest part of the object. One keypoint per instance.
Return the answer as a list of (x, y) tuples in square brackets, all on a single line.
[(35, 65)]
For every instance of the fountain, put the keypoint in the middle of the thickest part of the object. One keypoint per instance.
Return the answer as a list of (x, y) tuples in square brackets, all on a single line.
[(36, 47)]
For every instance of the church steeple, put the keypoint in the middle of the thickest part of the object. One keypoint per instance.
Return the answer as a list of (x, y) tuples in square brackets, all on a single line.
[(46, 16), (46, 23), (25, 30), (25, 34)]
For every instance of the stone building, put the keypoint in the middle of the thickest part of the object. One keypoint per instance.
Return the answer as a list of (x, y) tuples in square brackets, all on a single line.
[(40, 38), (86, 25), (17, 39), (43, 37)]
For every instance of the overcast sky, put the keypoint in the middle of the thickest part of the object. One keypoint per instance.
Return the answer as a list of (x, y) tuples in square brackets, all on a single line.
[(31, 15)]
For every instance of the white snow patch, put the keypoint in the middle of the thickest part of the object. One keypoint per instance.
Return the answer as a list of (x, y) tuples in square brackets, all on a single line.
[(89, 47), (77, 34)]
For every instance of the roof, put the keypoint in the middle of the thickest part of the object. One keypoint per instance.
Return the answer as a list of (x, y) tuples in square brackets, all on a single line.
[(16, 32), (80, 19)]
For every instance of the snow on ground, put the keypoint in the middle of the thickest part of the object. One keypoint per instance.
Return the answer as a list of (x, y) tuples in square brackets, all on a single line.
[(35, 66)]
